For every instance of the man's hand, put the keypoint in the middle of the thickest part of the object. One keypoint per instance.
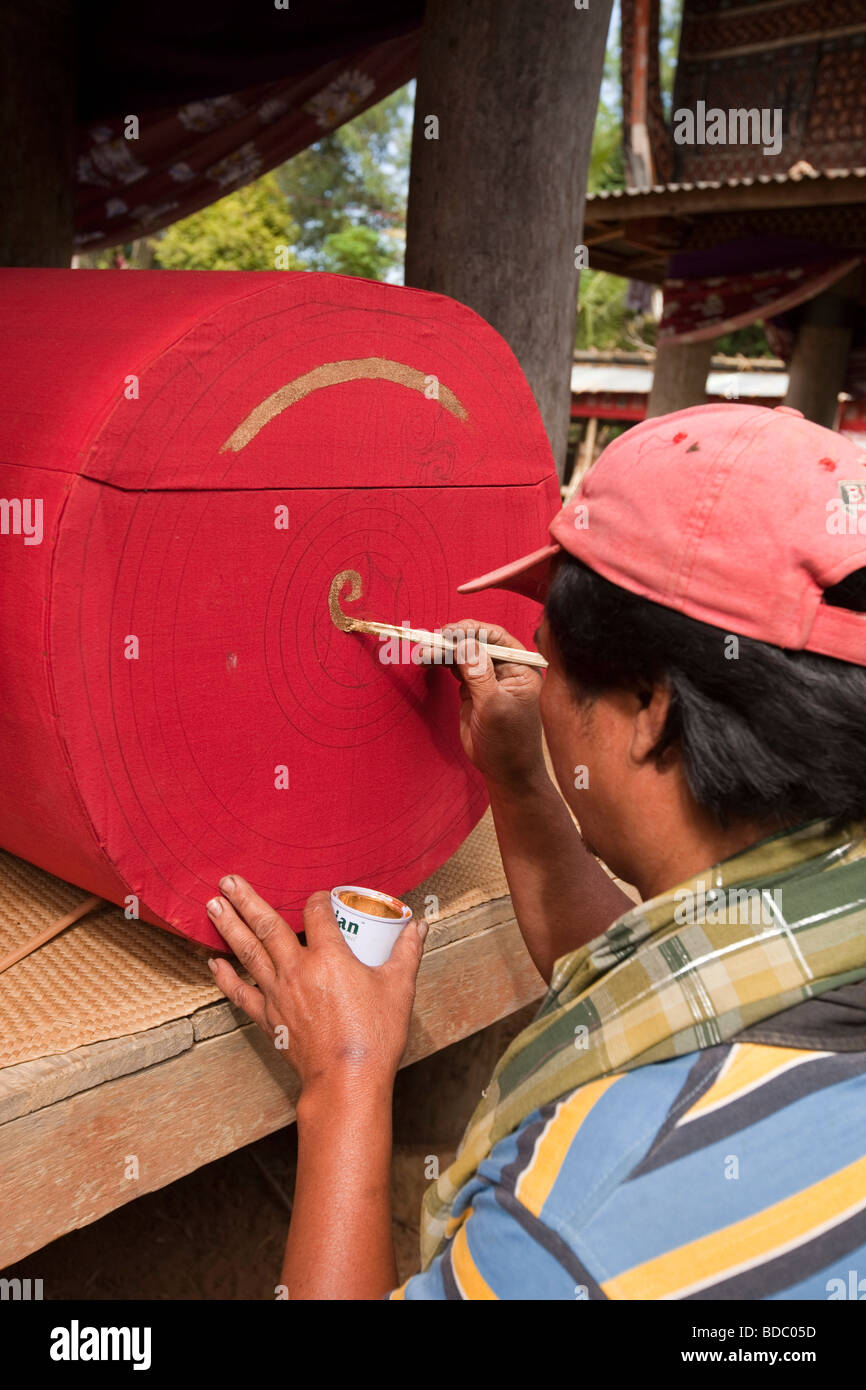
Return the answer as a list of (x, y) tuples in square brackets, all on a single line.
[(562, 896), (500, 725), (336, 1020)]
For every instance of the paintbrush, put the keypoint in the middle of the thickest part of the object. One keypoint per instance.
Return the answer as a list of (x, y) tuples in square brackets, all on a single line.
[(517, 655)]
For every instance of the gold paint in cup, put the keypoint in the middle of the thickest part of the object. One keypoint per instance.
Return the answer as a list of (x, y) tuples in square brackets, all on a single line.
[(369, 920), (373, 907)]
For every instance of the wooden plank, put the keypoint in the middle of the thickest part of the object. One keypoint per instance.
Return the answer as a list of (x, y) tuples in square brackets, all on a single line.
[(214, 1019), (607, 234), (31, 1085), (68, 1164), (469, 922)]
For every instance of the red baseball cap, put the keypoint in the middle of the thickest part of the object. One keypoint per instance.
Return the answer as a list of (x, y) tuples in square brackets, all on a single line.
[(738, 515)]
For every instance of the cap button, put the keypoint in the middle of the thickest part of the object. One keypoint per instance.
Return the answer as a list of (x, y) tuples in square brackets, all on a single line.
[(789, 410)]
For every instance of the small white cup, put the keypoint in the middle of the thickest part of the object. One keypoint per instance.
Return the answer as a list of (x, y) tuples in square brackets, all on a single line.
[(369, 932)]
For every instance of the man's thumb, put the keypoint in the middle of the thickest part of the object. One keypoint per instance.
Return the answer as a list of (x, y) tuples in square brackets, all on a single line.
[(475, 665), (408, 948)]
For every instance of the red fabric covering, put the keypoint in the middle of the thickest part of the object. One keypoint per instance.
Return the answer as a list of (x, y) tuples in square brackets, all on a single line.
[(155, 776), (707, 307), (702, 307)]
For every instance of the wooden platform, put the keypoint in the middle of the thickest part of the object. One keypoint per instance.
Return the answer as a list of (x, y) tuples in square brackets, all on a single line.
[(85, 1131)]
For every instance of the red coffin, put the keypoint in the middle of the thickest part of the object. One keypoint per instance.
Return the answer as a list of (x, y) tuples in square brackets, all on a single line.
[(206, 451)]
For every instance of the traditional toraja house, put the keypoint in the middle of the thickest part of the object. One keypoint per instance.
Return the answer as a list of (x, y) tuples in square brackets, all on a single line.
[(749, 203)]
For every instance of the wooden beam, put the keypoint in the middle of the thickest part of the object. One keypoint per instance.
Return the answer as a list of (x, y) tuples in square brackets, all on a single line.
[(648, 262), (66, 1164), (37, 132), (651, 270), (496, 201), (596, 238), (686, 201)]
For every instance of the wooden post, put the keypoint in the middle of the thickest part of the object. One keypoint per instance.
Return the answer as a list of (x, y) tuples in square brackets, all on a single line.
[(820, 357), (37, 133), (589, 445), (504, 115), (679, 376), (583, 460)]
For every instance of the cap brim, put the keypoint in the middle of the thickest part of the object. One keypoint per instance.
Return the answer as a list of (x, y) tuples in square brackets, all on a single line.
[(529, 576)]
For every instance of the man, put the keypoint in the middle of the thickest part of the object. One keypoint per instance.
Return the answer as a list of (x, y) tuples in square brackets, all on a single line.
[(686, 1116)]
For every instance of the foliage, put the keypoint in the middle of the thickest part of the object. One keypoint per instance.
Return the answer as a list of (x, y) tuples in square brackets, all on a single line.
[(606, 165), (602, 316), (242, 231), (357, 176), (670, 24), (355, 250), (750, 341), (339, 205)]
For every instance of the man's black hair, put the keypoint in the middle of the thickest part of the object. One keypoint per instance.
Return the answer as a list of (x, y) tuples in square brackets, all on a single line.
[(764, 733)]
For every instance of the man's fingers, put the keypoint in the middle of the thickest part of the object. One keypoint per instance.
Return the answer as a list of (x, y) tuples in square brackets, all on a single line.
[(472, 632), (488, 632), (245, 996), (242, 941), (275, 937), (320, 924), (476, 668)]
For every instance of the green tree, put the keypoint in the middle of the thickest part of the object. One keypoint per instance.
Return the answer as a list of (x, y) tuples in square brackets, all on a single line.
[(354, 177), (606, 163), (355, 250), (242, 231), (670, 24), (602, 318)]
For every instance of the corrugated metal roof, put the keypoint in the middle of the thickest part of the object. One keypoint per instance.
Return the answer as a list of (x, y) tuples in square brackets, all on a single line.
[(747, 384), (792, 176), (587, 379)]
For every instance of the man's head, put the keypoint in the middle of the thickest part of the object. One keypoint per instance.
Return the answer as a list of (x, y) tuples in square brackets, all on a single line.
[(705, 624), (654, 719)]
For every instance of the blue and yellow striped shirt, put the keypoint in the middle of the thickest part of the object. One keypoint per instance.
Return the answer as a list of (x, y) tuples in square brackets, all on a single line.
[(736, 1172)]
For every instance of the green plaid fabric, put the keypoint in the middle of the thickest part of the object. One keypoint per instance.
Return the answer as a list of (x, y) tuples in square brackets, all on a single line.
[(780, 922)]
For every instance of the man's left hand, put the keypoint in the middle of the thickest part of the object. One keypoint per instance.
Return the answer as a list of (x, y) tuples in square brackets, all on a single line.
[(336, 1019)]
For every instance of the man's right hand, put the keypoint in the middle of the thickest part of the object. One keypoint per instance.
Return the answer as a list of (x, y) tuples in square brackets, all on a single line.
[(500, 724), (561, 895)]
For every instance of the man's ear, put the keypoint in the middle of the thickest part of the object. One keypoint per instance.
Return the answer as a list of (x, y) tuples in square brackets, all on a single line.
[(651, 714)]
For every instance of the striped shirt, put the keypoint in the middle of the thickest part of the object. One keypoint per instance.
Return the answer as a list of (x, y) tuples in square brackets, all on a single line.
[(736, 1172)]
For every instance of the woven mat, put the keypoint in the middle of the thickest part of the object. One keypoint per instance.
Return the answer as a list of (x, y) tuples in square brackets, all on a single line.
[(106, 977)]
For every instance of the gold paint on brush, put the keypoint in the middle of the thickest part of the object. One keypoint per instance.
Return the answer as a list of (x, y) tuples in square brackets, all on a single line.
[(334, 374)]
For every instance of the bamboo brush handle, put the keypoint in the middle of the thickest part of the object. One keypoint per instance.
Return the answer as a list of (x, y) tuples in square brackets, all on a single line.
[(517, 655)]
